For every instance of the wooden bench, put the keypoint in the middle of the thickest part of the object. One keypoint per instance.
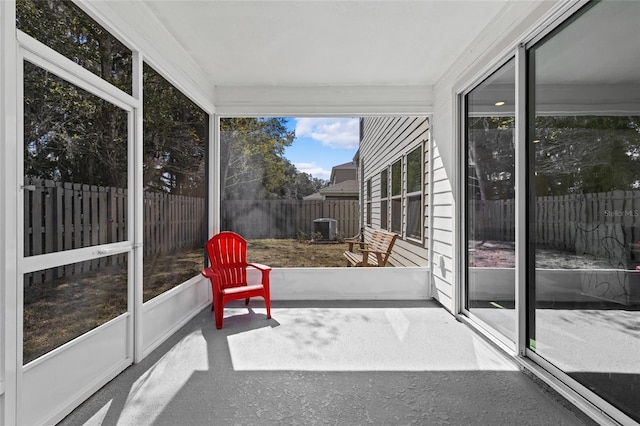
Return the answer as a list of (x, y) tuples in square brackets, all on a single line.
[(373, 253)]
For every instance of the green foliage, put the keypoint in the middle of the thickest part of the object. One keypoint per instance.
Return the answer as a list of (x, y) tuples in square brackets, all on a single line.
[(572, 154), (300, 184), (71, 135), (301, 236), (64, 27), (491, 156), (175, 139), (252, 163), (586, 154)]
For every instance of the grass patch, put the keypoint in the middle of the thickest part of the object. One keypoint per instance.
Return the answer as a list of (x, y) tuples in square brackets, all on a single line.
[(281, 253)]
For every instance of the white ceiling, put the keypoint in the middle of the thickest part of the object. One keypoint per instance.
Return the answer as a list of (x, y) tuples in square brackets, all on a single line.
[(311, 43)]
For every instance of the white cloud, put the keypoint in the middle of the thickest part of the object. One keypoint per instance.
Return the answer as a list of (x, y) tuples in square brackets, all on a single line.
[(341, 133), (314, 170)]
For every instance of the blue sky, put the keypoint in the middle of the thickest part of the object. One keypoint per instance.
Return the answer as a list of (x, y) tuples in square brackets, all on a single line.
[(322, 143)]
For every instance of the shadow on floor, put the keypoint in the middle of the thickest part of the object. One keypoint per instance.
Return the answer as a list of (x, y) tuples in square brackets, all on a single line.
[(346, 363)]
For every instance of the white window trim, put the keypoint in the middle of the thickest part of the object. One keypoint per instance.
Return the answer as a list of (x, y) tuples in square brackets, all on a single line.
[(385, 225), (369, 203), (400, 197), (420, 193)]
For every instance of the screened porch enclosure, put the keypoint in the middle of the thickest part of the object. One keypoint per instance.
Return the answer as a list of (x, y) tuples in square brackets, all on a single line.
[(499, 141)]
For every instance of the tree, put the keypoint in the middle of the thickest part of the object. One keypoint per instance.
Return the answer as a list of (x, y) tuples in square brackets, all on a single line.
[(491, 155), (175, 139), (65, 28), (300, 184), (252, 163), (71, 135), (586, 154)]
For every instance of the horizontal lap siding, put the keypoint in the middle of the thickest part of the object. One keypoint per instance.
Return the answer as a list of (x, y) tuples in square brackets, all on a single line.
[(442, 244), (384, 141), (513, 22)]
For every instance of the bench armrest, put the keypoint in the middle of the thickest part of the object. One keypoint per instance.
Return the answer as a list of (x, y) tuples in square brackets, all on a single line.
[(379, 255), (374, 251), (353, 242)]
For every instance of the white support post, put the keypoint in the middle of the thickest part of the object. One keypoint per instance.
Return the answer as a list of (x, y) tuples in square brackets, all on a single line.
[(459, 194), (430, 206), (521, 200), (137, 188), (11, 337), (214, 175)]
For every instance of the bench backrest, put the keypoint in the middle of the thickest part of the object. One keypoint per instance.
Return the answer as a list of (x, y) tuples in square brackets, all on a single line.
[(382, 241)]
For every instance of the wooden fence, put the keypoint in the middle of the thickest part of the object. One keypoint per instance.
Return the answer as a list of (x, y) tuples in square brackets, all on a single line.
[(285, 218), (605, 224), (61, 216)]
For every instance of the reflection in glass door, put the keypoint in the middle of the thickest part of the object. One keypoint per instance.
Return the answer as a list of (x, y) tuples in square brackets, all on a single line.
[(584, 225), (490, 206)]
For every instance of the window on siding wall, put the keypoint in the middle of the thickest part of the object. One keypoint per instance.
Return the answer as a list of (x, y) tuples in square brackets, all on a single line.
[(396, 197), (384, 198), (414, 194), (369, 202)]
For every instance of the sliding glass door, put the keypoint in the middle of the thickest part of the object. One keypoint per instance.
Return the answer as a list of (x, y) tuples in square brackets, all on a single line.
[(580, 316), (490, 202), (584, 202)]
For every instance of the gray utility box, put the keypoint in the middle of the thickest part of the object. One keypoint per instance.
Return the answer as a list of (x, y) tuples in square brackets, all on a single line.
[(327, 227)]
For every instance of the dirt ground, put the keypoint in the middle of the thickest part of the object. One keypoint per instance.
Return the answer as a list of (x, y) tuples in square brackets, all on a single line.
[(502, 254), (62, 309)]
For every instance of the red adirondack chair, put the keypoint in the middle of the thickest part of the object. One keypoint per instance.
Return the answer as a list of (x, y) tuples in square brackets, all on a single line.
[(228, 273)]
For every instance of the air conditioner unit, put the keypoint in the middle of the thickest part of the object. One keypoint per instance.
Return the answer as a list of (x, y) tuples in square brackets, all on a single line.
[(327, 227)]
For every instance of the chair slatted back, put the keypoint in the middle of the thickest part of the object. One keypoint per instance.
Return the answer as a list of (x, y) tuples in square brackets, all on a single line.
[(228, 256)]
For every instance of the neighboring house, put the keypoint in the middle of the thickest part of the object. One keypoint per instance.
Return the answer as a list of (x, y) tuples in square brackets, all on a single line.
[(394, 156), (344, 172), (344, 184)]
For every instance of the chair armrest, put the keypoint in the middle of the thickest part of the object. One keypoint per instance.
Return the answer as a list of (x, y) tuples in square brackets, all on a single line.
[(265, 270), (213, 276), (259, 266), (209, 273)]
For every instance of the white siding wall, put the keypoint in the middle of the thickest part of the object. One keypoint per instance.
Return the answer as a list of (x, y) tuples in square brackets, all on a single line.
[(442, 236), (384, 141), (496, 42)]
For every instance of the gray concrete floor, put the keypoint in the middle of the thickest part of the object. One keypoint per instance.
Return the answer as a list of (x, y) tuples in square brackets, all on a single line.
[(329, 363)]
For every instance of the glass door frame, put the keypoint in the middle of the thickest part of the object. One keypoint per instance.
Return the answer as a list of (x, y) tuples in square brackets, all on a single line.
[(497, 338)]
